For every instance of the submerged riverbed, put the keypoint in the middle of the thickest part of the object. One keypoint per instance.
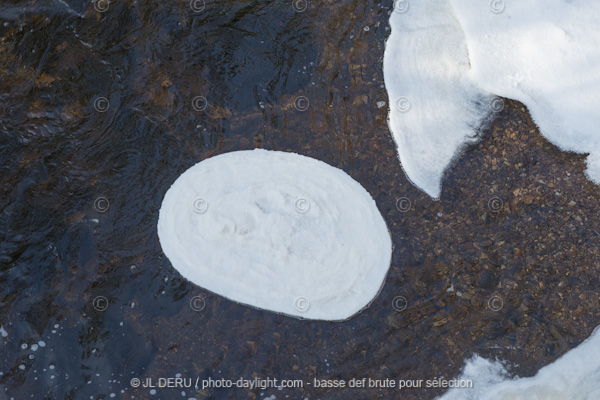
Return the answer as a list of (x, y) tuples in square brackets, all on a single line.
[(102, 108)]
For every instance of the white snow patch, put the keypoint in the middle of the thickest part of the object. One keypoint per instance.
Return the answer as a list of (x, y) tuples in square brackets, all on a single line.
[(435, 108), (448, 56), (546, 55), (278, 231), (574, 376)]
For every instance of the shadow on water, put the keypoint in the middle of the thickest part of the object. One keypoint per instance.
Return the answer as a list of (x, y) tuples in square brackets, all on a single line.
[(102, 109)]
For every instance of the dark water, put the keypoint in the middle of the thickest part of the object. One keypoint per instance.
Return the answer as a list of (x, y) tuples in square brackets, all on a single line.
[(98, 119)]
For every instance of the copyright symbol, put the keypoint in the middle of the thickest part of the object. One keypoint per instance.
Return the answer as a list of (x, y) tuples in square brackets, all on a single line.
[(135, 382), (403, 204)]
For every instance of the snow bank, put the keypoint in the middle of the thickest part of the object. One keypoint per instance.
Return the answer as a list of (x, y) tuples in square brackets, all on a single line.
[(545, 54), (448, 57), (435, 108), (574, 376), (277, 231)]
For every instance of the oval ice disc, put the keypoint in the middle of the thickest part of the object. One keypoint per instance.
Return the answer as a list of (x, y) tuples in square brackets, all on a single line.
[(277, 231)]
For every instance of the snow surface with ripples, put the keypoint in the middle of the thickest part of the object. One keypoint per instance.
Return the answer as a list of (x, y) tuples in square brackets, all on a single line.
[(447, 59), (277, 231)]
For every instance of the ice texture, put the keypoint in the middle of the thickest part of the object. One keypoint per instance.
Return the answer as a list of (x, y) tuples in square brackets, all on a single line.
[(277, 231)]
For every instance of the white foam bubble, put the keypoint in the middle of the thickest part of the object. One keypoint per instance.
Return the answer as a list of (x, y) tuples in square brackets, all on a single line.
[(277, 231), (574, 376)]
